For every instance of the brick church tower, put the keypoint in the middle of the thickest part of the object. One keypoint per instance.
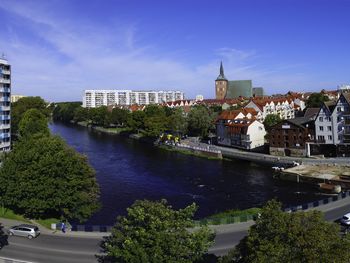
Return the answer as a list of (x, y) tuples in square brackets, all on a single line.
[(221, 84)]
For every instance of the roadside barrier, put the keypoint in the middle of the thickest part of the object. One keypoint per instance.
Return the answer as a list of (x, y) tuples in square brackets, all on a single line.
[(228, 219)]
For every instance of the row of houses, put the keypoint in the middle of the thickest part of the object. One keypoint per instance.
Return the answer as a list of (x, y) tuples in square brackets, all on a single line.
[(320, 131)]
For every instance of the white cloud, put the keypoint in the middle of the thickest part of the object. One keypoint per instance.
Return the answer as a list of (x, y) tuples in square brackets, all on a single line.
[(69, 56)]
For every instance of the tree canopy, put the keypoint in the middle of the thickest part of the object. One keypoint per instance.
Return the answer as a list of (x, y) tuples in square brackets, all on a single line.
[(43, 177), (154, 232), (199, 121), (315, 100), (291, 237), (271, 120), (33, 122), (24, 104)]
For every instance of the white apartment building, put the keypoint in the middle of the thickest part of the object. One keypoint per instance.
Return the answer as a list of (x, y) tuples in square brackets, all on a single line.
[(5, 105), (97, 98)]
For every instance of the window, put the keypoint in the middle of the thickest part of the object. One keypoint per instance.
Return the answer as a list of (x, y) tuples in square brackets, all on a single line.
[(321, 128), (339, 137), (320, 119), (329, 128), (320, 137), (339, 109), (338, 119), (328, 118), (329, 137)]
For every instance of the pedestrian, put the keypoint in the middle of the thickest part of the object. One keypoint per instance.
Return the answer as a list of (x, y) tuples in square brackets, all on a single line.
[(63, 227)]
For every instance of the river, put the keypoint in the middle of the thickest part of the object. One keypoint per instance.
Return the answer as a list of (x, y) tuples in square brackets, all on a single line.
[(128, 170)]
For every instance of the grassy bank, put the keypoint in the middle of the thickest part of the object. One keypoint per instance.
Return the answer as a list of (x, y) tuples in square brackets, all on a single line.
[(9, 214), (236, 213)]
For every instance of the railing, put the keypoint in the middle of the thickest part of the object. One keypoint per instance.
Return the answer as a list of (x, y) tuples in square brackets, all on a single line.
[(5, 126), (7, 81), (5, 90), (197, 148), (5, 98), (5, 108)]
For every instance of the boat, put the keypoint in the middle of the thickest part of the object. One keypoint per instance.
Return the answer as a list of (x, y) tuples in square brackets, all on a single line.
[(329, 188)]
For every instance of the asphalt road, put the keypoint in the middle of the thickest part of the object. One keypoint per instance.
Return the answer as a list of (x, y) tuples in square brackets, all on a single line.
[(53, 249), (49, 248)]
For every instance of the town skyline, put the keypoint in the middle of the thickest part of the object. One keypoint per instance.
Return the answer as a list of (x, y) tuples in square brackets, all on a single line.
[(57, 50)]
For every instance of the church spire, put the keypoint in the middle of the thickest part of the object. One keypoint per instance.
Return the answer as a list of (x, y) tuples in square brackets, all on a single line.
[(222, 75)]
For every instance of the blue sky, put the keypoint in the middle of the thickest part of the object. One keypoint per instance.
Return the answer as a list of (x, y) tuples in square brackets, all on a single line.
[(58, 48)]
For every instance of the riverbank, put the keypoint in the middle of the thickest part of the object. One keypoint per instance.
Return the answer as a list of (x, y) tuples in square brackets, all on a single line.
[(183, 149), (319, 175)]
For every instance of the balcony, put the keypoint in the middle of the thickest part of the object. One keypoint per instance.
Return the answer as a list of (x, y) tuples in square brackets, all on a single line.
[(5, 108), (5, 144), (5, 117), (6, 81), (5, 135), (5, 98), (5, 72), (5, 90), (5, 126)]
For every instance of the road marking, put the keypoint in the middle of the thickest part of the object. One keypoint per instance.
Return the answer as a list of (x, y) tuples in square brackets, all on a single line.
[(11, 260)]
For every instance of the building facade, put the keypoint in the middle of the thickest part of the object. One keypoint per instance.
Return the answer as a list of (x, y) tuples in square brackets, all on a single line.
[(5, 105), (15, 98), (97, 98), (240, 129), (284, 107), (289, 137), (332, 125)]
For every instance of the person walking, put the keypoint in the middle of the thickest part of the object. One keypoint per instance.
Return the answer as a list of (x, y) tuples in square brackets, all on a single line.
[(63, 227)]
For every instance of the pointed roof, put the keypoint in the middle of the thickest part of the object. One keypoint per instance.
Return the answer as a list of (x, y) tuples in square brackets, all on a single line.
[(222, 75)]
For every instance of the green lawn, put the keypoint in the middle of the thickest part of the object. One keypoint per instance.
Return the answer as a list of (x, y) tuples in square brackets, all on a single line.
[(47, 222), (235, 213), (9, 214)]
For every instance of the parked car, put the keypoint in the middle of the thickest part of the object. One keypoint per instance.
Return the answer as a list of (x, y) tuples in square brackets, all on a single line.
[(345, 220), (24, 230)]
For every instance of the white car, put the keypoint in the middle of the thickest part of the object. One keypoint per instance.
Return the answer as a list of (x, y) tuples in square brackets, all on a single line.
[(345, 220)]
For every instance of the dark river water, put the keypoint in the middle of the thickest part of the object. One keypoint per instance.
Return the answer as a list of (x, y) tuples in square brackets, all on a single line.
[(128, 170)]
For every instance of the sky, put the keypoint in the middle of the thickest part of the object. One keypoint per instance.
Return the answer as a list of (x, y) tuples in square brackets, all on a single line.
[(59, 48)]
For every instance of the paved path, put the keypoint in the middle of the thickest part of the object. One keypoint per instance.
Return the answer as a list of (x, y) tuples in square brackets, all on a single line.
[(235, 153)]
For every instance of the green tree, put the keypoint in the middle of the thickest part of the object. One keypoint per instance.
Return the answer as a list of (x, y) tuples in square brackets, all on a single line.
[(33, 122), (199, 121), (155, 126), (154, 111), (99, 116), (271, 120), (136, 121), (43, 177), (154, 232), (119, 116), (81, 114), (64, 111), (24, 104), (291, 237), (315, 100), (177, 121)]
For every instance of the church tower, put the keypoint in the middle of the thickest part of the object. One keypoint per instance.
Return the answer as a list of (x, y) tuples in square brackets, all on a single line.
[(221, 84)]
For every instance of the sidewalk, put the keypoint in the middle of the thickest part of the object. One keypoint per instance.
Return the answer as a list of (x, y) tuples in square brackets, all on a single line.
[(7, 223)]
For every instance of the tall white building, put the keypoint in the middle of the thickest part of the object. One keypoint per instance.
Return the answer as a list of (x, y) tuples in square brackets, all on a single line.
[(97, 98), (5, 105)]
